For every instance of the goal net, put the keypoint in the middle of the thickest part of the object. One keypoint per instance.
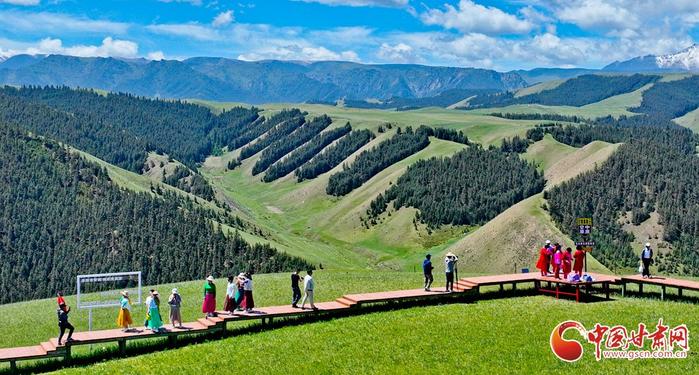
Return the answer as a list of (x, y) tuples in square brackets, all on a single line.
[(103, 290)]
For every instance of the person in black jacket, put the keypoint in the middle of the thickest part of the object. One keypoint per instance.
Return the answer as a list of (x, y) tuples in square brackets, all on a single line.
[(647, 260), (63, 323), (427, 271), (295, 289)]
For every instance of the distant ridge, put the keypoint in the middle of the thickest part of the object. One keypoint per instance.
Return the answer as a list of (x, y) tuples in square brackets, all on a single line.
[(225, 79), (684, 60)]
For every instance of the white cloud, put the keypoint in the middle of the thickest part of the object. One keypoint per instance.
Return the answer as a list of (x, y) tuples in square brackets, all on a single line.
[(156, 55), (188, 30), (193, 2), (223, 19), (297, 52), (472, 17), (598, 13), (57, 23), (21, 2), (362, 3), (398, 53), (108, 48)]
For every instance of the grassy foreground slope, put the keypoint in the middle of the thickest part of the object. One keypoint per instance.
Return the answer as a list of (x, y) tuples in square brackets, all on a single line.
[(436, 339), (511, 240), (31, 322)]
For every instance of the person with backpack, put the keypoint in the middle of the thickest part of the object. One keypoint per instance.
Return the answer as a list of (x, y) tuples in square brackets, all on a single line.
[(646, 260), (427, 271)]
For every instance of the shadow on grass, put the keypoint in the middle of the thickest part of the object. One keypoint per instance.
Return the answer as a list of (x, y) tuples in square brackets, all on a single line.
[(135, 348)]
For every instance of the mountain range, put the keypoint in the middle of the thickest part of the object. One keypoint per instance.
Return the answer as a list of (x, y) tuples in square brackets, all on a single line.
[(684, 60), (267, 81), (253, 82)]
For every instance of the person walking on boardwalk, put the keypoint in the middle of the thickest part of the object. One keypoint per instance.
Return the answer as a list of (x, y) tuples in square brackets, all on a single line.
[(544, 259), (240, 293), (248, 300), (147, 303), (557, 261), (308, 288), (567, 262), (155, 321), (646, 260), (63, 323), (229, 304), (124, 318), (579, 260), (208, 306), (449, 265), (427, 271), (175, 302), (295, 289)]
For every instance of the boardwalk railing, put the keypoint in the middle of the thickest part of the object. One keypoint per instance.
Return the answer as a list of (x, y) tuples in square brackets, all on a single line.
[(218, 324)]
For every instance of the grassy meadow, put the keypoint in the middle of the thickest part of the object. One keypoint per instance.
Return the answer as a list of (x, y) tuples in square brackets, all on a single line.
[(451, 338)]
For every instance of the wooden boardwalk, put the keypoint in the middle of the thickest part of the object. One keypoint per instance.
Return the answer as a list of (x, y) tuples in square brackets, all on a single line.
[(663, 282), (349, 302)]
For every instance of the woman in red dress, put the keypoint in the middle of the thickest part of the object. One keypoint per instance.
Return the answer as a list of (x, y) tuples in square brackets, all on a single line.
[(567, 262), (544, 258), (579, 260)]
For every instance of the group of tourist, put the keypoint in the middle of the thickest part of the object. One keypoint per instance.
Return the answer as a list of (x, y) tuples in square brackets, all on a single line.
[(554, 261), (450, 261)]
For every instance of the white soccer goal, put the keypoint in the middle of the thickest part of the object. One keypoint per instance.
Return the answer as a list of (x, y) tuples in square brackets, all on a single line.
[(102, 290)]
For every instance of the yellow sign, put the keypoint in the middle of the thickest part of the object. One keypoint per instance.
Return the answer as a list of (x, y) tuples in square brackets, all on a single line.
[(584, 221)]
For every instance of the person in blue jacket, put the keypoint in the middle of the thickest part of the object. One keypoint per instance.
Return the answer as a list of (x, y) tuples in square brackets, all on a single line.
[(427, 270)]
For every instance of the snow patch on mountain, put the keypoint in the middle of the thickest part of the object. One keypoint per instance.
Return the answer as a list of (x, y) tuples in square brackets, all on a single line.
[(687, 59)]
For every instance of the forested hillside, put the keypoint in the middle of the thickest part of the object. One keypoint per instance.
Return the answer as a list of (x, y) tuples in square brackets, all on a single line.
[(334, 155), (579, 91), (655, 170), (370, 162), (61, 216), (471, 187), (671, 99), (305, 153), (120, 128)]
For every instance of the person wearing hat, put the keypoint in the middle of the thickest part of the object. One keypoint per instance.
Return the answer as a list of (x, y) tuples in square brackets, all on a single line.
[(63, 323), (209, 305), (544, 258), (175, 302), (124, 318), (427, 271), (155, 321), (647, 260), (449, 266), (240, 293)]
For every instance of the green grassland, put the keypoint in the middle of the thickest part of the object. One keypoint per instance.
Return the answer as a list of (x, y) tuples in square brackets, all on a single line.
[(38, 317), (304, 221), (689, 120), (435, 339)]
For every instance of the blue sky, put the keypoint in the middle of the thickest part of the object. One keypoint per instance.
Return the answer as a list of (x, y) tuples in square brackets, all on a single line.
[(504, 35)]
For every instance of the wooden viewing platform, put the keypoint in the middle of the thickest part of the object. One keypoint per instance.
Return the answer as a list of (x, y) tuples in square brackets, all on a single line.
[(349, 302)]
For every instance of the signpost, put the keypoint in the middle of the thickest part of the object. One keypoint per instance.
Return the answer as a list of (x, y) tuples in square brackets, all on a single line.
[(585, 230)]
